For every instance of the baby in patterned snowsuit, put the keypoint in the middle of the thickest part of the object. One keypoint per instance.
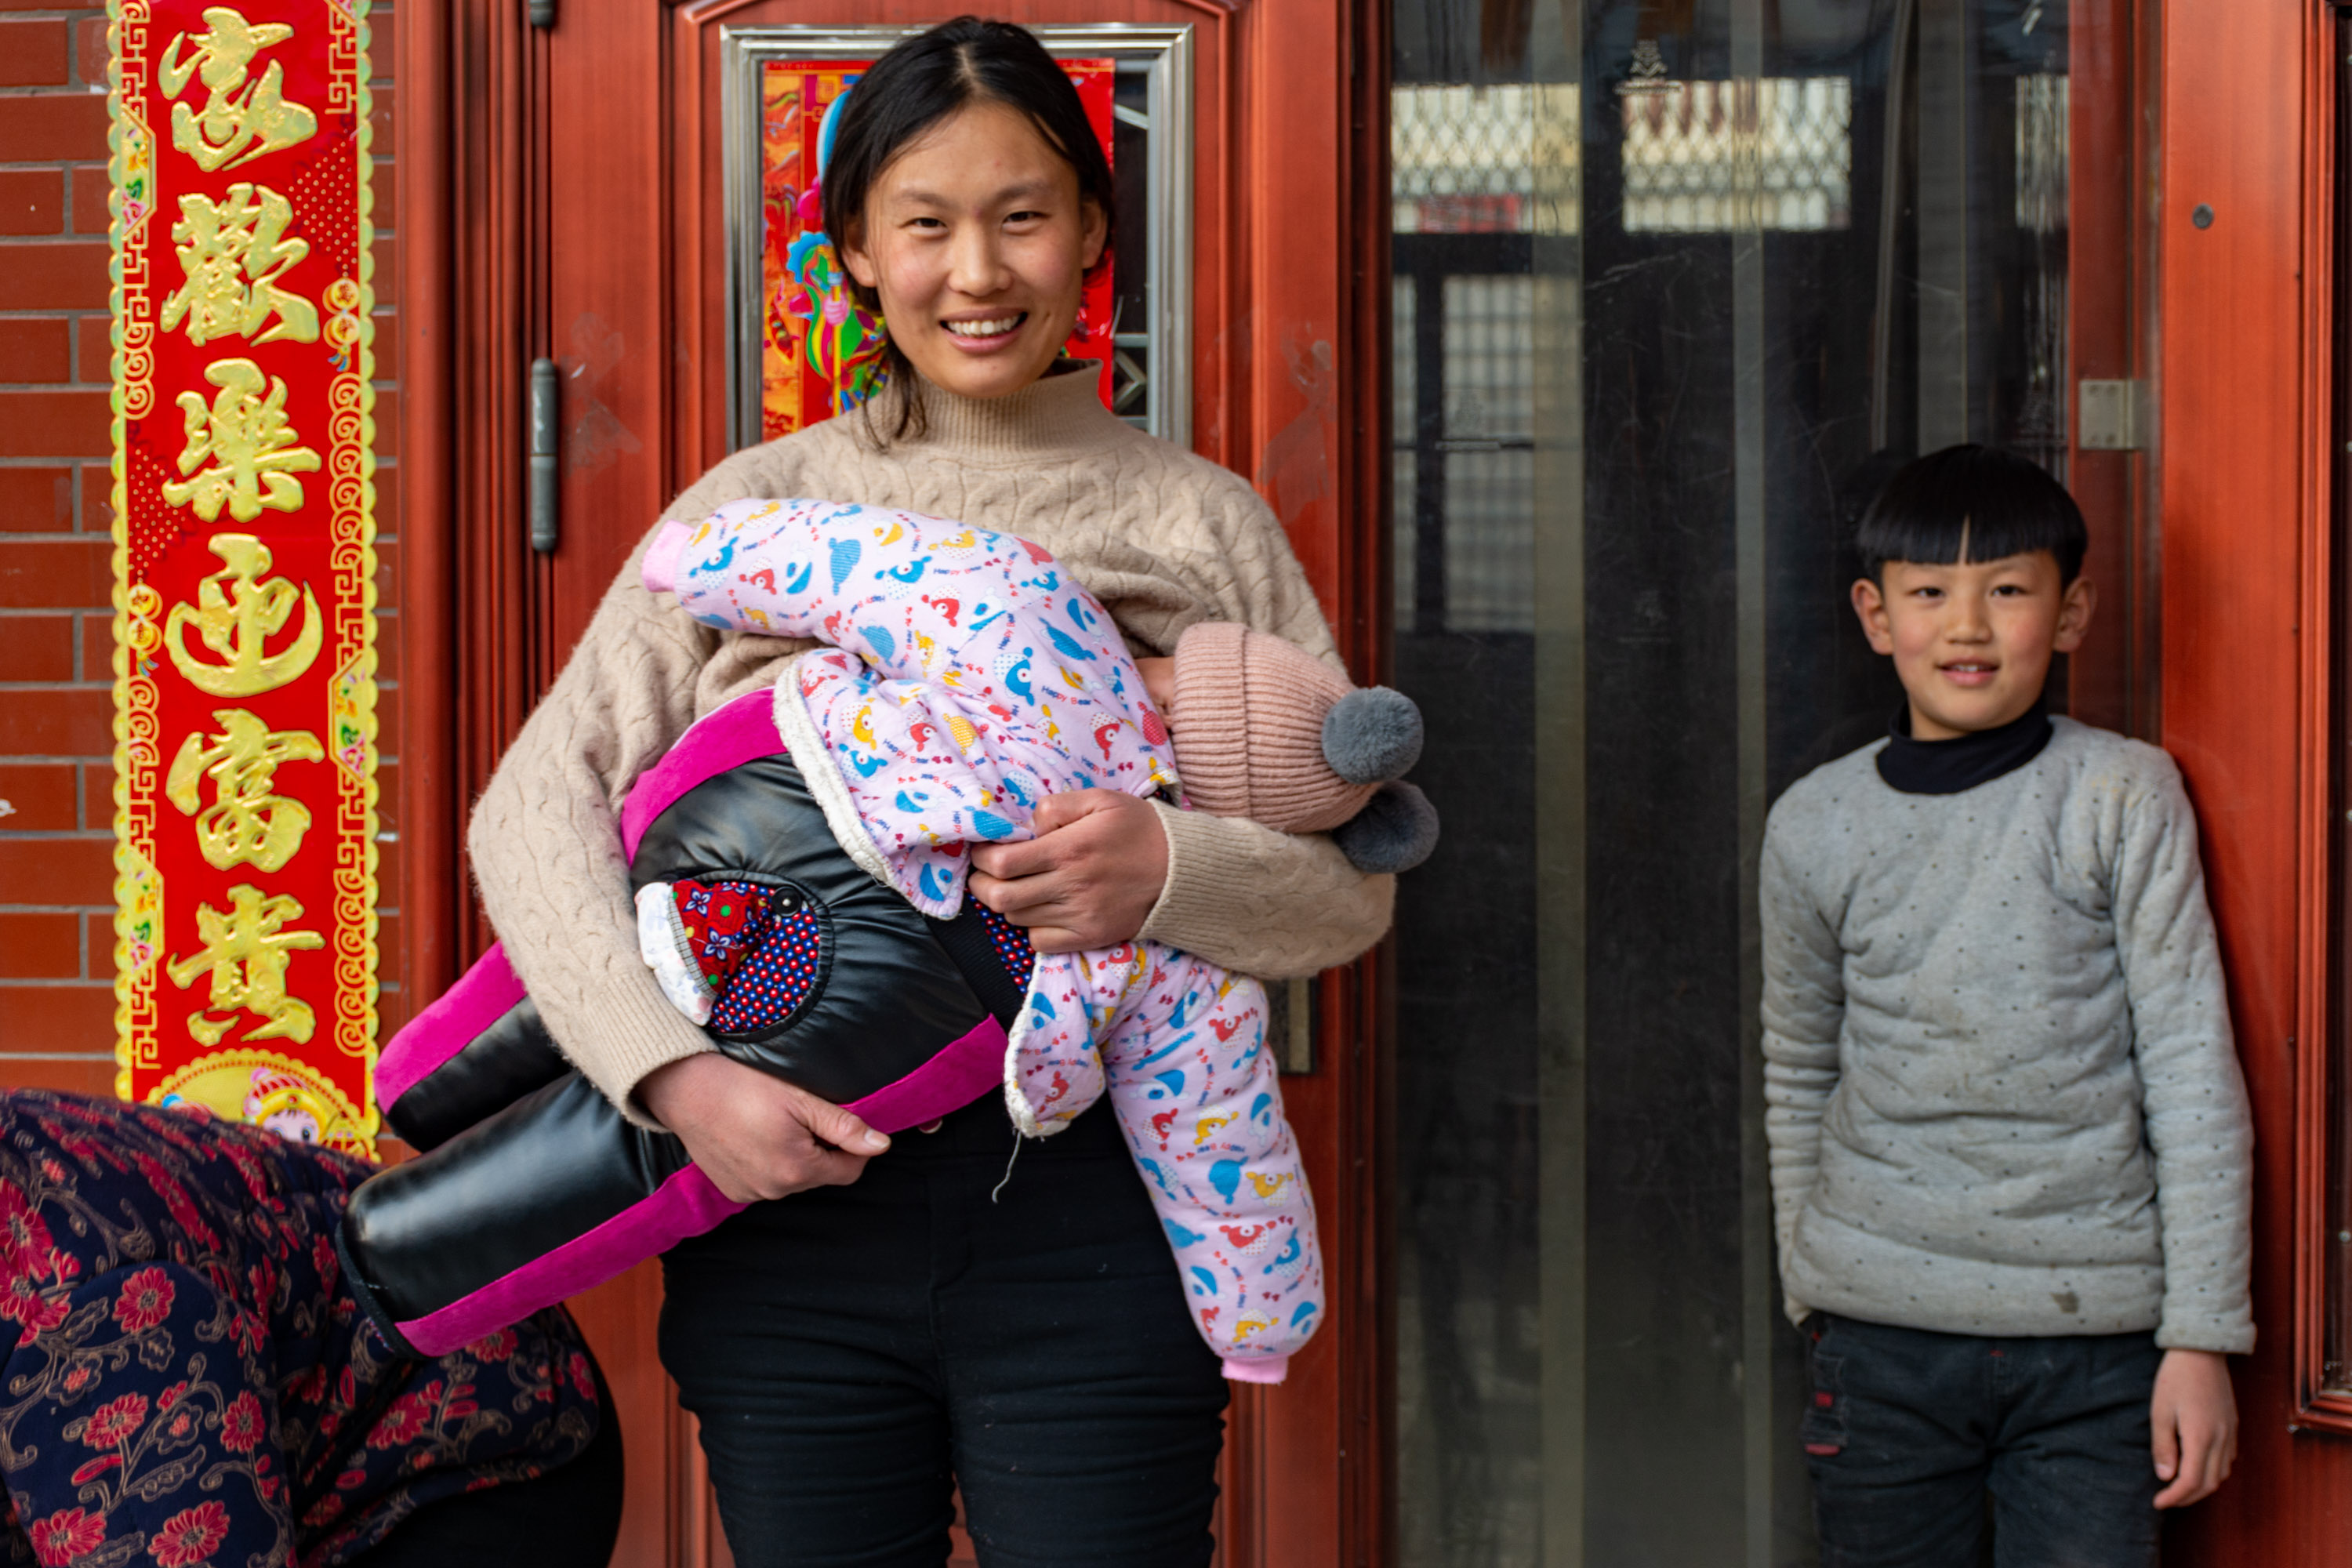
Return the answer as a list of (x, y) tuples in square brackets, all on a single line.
[(966, 679)]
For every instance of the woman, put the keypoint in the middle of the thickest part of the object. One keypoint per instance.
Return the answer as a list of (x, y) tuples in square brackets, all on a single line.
[(856, 1351), (190, 1381)]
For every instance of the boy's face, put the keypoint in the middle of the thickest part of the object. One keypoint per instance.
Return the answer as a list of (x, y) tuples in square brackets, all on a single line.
[(1972, 642)]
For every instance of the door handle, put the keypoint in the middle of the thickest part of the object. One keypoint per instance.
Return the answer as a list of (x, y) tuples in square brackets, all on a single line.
[(546, 412)]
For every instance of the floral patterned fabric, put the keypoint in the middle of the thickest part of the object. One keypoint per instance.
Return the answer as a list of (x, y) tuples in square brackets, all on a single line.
[(191, 1385)]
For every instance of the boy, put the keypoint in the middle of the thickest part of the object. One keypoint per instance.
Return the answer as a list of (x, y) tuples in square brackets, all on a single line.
[(2011, 1147)]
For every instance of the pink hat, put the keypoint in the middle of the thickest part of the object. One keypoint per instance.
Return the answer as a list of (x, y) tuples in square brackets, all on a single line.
[(1249, 729)]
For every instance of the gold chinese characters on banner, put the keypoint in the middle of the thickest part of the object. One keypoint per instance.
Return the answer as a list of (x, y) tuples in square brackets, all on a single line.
[(244, 564)]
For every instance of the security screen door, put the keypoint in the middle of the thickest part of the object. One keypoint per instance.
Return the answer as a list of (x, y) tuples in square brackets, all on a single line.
[(1676, 285)]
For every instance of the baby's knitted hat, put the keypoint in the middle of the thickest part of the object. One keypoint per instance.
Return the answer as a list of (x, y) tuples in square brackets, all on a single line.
[(1249, 729)]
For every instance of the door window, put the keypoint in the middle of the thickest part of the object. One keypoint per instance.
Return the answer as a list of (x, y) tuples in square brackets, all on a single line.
[(1677, 285)]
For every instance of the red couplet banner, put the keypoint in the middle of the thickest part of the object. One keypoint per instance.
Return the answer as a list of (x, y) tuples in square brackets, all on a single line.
[(244, 563)]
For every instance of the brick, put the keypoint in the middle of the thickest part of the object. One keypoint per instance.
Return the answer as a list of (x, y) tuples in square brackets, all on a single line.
[(56, 574), (33, 51), (97, 647), (98, 798), (63, 871), (76, 1018), (387, 569), (36, 648), (53, 127), (54, 423), (89, 191), (387, 657), (70, 275), (90, 1075), (40, 947), (387, 497), (94, 351), (386, 214), (96, 514), (380, 111), (90, 51), (32, 201), (36, 500), (40, 797), (387, 359), (34, 349), (69, 722), (387, 807)]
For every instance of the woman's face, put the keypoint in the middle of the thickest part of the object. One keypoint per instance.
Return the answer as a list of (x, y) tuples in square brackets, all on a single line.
[(978, 243)]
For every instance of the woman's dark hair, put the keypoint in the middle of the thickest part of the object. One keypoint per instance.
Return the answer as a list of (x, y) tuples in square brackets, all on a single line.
[(922, 81), (1970, 503)]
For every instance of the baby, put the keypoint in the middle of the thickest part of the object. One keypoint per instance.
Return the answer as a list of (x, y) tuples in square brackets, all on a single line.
[(966, 681)]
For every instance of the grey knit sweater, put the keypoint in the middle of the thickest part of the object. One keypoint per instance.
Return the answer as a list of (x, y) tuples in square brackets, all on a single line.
[(2003, 1096)]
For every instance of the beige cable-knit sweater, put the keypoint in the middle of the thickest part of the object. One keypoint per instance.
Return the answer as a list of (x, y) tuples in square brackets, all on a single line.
[(1162, 537)]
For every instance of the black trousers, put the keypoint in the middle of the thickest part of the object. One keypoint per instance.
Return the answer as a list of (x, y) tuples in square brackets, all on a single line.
[(1910, 1431), (854, 1353)]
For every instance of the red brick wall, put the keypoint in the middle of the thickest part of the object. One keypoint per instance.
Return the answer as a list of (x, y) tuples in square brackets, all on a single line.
[(56, 811)]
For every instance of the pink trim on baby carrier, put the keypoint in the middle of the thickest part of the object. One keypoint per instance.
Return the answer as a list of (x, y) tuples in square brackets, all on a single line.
[(686, 1204), (956, 1075), (482, 996), (742, 731)]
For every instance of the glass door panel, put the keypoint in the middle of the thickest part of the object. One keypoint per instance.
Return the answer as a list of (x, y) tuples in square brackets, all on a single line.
[(1678, 283)]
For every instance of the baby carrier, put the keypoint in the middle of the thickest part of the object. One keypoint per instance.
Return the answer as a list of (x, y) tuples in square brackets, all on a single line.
[(533, 1186)]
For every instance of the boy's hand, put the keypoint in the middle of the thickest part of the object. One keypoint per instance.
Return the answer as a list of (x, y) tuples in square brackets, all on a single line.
[(1088, 879), (755, 1136), (2195, 1414), (1159, 685)]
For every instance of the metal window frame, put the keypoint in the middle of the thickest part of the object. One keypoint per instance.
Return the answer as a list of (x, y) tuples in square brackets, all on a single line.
[(1164, 54)]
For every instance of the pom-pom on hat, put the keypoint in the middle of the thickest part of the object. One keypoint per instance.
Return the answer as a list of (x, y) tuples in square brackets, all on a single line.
[(1250, 710)]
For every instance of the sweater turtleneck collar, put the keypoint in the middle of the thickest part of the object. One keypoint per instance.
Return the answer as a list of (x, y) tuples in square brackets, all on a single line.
[(1059, 413), (1949, 767)]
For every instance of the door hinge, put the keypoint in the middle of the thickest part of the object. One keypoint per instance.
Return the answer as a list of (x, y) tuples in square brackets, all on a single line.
[(545, 417), (2112, 415), (542, 12)]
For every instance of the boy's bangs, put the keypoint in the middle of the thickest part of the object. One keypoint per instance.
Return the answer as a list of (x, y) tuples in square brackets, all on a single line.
[(1971, 504)]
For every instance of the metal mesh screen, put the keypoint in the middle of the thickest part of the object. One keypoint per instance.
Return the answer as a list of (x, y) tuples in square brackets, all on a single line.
[(1489, 451), (1685, 144)]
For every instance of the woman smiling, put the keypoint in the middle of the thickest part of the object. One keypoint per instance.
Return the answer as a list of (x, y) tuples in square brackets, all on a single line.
[(896, 1325)]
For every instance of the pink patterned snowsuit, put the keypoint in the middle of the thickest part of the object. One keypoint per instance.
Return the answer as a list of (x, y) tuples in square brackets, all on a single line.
[(967, 679)]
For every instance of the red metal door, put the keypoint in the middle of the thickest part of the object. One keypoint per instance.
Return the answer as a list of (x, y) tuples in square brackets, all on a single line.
[(561, 196)]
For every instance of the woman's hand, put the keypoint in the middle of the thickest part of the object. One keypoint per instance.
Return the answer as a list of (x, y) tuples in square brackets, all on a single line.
[(2195, 1415), (1088, 879), (755, 1136)]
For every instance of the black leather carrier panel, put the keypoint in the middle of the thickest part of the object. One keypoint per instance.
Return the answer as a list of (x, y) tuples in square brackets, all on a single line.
[(886, 997), (505, 1062), (527, 1156)]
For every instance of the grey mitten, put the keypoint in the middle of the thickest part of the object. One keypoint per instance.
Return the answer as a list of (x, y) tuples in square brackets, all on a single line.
[(1396, 830)]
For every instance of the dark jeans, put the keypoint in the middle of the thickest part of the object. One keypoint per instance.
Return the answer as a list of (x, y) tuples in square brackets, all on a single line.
[(855, 1353), (1908, 1430)]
